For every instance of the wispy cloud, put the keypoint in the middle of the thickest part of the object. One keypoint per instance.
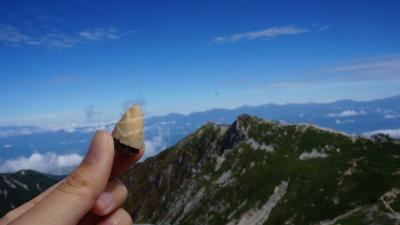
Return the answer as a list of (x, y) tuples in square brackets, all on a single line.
[(387, 63), (266, 33), (92, 114), (139, 100), (321, 27), (324, 27), (13, 36), (378, 68), (99, 34)]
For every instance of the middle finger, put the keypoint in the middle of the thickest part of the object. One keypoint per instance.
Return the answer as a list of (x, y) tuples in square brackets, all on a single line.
[(112, 198)]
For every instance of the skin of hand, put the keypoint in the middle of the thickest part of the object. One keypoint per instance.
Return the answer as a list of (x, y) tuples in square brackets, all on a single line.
[(91, 194)]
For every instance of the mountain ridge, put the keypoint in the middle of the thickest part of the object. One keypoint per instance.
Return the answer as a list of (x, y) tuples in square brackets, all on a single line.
[(259, 172)]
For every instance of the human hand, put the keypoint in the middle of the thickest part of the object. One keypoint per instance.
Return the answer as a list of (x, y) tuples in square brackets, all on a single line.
[(90, 195)]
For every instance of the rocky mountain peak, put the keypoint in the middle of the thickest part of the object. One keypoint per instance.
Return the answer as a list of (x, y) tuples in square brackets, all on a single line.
[(263, 172)]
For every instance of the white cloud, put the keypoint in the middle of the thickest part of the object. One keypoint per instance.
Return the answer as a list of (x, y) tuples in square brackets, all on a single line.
[(394, 133), (12, 36), (347, 113), (49, 162), (266, 33), (154, 145), (7, 146)]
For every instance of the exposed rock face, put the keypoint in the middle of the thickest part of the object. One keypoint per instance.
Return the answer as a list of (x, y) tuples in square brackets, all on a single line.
[(263, 172)]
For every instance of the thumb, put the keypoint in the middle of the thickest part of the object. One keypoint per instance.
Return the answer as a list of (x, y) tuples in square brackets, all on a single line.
[(75, 196)]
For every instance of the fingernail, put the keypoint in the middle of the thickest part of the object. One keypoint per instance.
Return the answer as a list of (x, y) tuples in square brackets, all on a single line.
[(105, 200)]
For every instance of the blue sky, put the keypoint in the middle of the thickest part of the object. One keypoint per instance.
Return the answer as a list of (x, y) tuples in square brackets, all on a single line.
[(65, 61)]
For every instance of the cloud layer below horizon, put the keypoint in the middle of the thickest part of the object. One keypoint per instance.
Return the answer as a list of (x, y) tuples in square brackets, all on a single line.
[(49, 162), (53, 163)]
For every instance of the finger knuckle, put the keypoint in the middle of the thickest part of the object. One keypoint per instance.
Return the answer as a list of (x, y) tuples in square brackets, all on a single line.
[(78, 184)]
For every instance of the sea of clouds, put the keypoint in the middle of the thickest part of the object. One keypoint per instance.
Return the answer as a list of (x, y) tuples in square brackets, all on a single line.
[(61, 163)]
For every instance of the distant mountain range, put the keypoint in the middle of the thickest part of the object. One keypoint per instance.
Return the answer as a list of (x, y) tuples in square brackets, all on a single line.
[(264, 172), (354, 117), (17, 188)]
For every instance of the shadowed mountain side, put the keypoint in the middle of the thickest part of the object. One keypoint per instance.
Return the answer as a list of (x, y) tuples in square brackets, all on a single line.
[(18, 188)]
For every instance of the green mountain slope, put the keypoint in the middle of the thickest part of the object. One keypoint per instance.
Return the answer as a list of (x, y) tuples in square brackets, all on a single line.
[(17, 188), (263, 172)]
